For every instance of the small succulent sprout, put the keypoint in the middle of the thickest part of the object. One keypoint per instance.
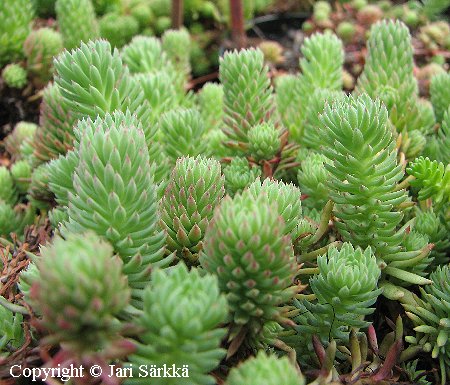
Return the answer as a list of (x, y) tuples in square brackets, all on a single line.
[(14, 76), (390, 63), (145, 54), (11, 331), (413, 143), (369, 15), (54, 136), (247, 93), (118, 29), (187, 334), (77, 22), (195, 189), (265, 369), (312, 178), (61, 176), (273, 52), (239, 175), (430, 224), (40, 48), (177, 45), (8, 192), (346, 31), (246, 248), (287, 198), (38, 192), (321, 65), (433, 179), (22, 132), (215, 140), (16, 17), (264, 141), (114, 195), (21, 173), (7, 218), (430, 315), (92, 291), (440, 94), (181, 132), (210, 100), (347, 280), (58, 216)]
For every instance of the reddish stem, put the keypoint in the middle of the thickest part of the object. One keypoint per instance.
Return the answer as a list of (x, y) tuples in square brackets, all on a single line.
[(237, 23), (177, 14)]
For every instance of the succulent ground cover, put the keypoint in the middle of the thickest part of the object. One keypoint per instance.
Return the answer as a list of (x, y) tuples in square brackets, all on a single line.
[(262, 230)]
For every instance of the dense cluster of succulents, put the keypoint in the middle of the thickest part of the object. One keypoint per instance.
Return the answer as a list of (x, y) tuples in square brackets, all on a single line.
[(257, 231)]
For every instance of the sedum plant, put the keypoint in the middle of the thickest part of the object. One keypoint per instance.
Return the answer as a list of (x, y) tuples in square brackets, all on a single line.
[(247, 93), (388, 74), (440, 94), (77, 22), (181, 132), (177, 45), (196, 187), (210, 100), (21, 173), (239, 175), (265, 369), (246, 247), (8, 192), (40, 47), (360, 146), (11, 331), (15, 25), (14, 76), (181, 322), (430, 315), (118, 29), (264, 141), (114, 195), (21, 136), (345, 289), (82, 313), (54, 136)]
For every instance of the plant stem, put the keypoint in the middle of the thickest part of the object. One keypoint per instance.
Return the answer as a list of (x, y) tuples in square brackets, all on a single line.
[(237, 23), (177, 14)]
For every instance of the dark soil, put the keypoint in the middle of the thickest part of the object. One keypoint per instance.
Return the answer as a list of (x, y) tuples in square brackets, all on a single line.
[(15, 106)]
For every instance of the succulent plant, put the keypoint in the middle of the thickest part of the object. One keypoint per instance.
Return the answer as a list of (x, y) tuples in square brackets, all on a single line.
[(15, 25), (312, 179), (54, 136), (239, 175), (38, 191), (264, 141), (181, 132), (81, 316), (196, 187), (390, 64), (40, 47), (77, 22), (430, 314), (273, 52), (11, 331), (61, 176), (8, 192), (346, 31), (247, 93), (215, 140), (440, 94), (345, 289), (118, 29), (14, 76), (265, 369), (7, 218), (21, 173), (177, 45), (144, 54), (287, 198), (319, 71), (432, 178), (23, 132), (103, 6), (187, 335), (210, 100), (122, 209), (246, 248), (359, 143)]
